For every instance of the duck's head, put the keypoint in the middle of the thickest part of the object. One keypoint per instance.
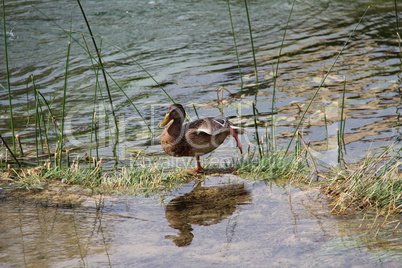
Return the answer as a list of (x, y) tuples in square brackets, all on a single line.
[(175, 112)]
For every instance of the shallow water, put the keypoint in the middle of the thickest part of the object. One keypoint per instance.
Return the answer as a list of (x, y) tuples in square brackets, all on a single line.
[(260, 225)]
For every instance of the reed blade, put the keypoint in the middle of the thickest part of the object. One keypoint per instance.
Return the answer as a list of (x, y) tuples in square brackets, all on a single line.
[(324, 78), (252, 48), (8, 77), (116, 123), (235, 45)]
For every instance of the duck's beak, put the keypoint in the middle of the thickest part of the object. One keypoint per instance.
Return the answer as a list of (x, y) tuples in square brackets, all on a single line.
[(165, 120)]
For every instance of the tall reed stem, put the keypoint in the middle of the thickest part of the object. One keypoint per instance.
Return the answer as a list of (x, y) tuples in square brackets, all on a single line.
[(257, 136), (342, 121), (38, 133), (11, 152), (196, 112), (235, 45), (323, 80), (45, 127), (252, 48), (149, 75), (105, 80), (94, 125), (396, 17), (85, 47), (63, 111), (275, 72), (8, 77)]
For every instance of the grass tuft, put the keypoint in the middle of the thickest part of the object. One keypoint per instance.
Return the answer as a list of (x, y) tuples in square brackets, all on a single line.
[(375, 184), (141, 178), (272, 165)]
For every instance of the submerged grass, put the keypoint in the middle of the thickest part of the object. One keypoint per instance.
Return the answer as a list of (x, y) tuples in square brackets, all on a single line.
[(272, 166), (139, 178), (376, 183)]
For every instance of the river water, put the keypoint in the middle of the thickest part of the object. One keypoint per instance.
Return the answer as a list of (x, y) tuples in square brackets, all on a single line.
[(222, 222), (188, 48)]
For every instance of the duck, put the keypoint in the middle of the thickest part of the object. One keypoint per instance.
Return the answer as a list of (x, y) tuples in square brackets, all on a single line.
[(196, 138)]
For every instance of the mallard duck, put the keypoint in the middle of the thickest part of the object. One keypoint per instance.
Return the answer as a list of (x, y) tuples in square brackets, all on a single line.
[(196, 138)]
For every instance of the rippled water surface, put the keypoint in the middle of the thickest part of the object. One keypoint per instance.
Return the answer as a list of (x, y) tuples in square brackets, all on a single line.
[(188, 49), (238, 223)]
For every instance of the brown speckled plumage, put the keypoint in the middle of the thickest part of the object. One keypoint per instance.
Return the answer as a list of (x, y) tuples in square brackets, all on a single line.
[(197, 138)]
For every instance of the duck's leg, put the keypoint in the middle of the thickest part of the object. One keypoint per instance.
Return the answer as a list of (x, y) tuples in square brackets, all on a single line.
[(199, 167), (234, 134)]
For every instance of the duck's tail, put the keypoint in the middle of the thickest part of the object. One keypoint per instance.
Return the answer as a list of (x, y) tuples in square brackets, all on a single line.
[(239, 130)]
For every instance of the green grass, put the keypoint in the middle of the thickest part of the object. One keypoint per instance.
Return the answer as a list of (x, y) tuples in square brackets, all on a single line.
[(272, 166), (375, 183), (139, 178)]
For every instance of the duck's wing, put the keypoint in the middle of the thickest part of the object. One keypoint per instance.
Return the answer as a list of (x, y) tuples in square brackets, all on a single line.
[(225, 124), (210, 125)]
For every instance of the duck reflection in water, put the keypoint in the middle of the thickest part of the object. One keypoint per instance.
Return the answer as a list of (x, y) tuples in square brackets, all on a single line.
[(203, 206)]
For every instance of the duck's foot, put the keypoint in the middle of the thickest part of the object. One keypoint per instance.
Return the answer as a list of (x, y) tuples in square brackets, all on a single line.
[(199, 169), (196, 171)]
